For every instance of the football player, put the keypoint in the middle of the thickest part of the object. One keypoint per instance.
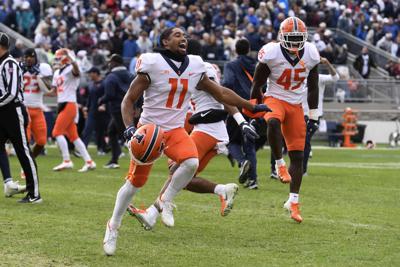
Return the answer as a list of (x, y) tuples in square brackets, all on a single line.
[(166, 79), (210, 137), (286, 65), (37, 82), (66, 81)]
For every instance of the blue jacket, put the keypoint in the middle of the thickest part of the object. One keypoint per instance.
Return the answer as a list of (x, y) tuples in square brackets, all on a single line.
[(115, 86), (236, 79), (96, 91)]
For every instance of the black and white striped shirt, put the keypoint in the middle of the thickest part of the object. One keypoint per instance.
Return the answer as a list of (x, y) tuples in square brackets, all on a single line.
[(11, 81)]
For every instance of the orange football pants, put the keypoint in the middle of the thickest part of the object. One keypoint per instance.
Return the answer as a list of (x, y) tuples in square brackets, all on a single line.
[(292, 121), (37, 126), (65, 123), (178, 147), (205, 145)]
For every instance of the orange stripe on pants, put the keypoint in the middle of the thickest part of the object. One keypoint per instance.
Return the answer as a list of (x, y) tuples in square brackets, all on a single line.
[(178, 147)]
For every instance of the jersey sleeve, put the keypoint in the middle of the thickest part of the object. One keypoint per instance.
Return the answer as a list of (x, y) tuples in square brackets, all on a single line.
[(45, 70), (313, 55), (144, 63), (266, 53), (211, 72)]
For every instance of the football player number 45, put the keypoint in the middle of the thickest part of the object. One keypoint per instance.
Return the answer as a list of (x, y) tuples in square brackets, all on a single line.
[(285, 80), (174, 82)]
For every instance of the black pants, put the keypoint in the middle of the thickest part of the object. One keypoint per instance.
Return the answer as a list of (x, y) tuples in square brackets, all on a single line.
[(13, 122), (116, 129)]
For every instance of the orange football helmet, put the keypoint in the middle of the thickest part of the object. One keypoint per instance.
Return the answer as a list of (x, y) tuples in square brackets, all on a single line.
[(147, 144), (293, 34), (61, 58)]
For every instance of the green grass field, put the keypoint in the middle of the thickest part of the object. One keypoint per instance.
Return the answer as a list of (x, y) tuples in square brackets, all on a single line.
[(350, 204)]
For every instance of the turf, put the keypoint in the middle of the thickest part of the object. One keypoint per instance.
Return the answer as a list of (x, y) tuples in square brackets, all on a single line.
[(350, 204)]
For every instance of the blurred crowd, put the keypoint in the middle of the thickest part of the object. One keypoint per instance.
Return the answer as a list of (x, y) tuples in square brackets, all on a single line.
[(97, 29)]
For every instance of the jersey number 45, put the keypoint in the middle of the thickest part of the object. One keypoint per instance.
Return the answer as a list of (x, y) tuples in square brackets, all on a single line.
[(285, 80)]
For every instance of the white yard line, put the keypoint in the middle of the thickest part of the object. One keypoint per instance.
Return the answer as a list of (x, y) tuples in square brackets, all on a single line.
[(359, 165)]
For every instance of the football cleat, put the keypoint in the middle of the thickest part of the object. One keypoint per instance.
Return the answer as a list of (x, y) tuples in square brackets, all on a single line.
[(294, 211), (64, 165), (11, 188), (244, 170), (167, 215), (147, 218), (110, 240), (227, 200), (283, 174), (89, 166)]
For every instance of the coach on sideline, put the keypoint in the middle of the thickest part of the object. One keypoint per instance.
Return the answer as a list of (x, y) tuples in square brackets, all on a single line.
[(14, 118)]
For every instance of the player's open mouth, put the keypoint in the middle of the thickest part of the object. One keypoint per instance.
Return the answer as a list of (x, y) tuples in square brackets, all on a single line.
[(182, 46)]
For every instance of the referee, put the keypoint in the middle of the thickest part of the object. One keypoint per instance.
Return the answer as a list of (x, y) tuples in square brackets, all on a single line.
[(14, 118)]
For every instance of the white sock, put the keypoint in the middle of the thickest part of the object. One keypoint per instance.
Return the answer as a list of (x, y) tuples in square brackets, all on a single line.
[(62, 144), (220, 189), (294, 198), (280, 162), (180, 178), (124, 197), (153, 211), (80, 146)]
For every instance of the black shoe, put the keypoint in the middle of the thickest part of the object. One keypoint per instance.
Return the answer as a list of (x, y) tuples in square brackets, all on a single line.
[(231, 160), (274, 175), (111, 165), (244, 171), (28, 199), (251, 184)]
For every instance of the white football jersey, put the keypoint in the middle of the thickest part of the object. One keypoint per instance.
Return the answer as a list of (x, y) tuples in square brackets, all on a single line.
[(203, 101), (66, 84), (172, 84), (33, 95), (322, 81), (288, 74)]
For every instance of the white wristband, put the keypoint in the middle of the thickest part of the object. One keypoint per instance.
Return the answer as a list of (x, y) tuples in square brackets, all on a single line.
[(313, 114), (238, 118)]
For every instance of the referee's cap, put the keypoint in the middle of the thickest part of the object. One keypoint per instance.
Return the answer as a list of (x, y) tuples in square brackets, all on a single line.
[(4, 40)]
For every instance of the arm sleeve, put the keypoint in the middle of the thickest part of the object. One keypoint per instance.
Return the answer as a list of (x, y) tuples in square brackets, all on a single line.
[(45, 70), (12, 81)]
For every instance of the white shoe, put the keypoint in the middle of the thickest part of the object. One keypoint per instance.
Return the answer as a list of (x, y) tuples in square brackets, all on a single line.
[(90, 165), (147, 218), (64, 165), (11, 188), (227, 200), (167, 215), (110, 240)]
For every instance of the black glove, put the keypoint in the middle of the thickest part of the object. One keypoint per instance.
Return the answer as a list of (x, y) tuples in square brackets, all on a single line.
[(249, 131), (261, 108), (312, 126), (35, 70), (129, 132)]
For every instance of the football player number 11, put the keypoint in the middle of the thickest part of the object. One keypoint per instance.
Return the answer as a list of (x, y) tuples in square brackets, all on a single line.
[(285, 80), (174, 86)]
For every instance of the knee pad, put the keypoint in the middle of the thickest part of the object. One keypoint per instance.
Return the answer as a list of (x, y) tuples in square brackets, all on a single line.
[(191, 164), (139, 180)]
